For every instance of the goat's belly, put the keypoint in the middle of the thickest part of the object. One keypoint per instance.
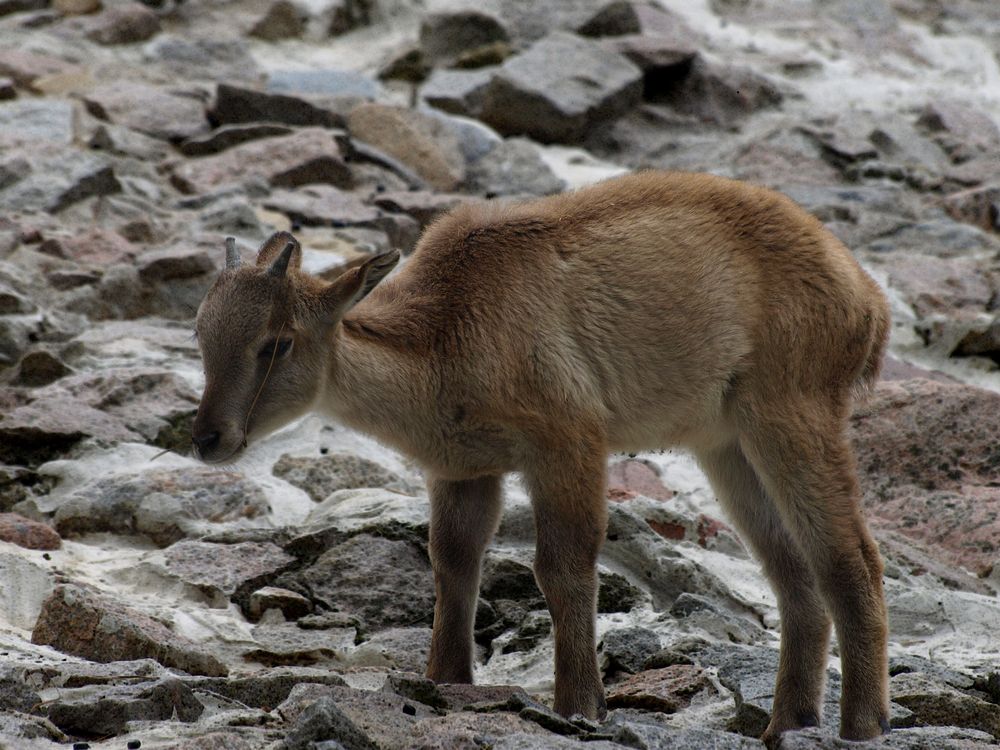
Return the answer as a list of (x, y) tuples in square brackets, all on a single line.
[(692, 419)]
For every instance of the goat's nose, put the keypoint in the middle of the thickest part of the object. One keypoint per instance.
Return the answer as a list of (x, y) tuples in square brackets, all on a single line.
[(204, 443)]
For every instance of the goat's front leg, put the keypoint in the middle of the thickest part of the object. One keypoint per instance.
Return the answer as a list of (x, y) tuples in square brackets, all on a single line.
[(568, 494), (464, 516)]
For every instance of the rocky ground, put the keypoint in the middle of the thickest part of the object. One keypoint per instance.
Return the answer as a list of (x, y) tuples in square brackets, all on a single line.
[(286, 603)]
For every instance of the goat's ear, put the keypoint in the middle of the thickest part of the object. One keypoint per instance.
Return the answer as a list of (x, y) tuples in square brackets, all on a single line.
[(353, 286), (280, 252)]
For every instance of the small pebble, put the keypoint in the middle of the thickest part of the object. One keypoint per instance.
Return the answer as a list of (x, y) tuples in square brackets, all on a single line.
[(134, 744), (81, 746)]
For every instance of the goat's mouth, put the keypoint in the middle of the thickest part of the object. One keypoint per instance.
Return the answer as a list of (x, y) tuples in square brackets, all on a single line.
[(217, 448)]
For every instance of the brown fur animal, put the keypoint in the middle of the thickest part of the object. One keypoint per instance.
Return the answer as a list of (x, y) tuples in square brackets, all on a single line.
[(652, 310)]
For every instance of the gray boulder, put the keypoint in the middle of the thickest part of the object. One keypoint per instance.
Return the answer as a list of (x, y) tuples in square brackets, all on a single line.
[(560, 88)]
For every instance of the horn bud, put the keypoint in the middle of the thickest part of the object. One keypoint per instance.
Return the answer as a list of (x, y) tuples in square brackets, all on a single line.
[(232, 254)]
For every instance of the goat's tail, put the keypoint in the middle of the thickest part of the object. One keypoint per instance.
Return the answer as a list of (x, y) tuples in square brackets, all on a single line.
[(878, 338)]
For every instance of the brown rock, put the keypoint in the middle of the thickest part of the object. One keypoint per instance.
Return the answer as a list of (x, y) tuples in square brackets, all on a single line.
[(26, 533), (76, 7), (666, 690), (419, 141), (40, 367), (283, 20), (309, 156), (165, 264), (27, 67), (81, 622), (152, 110), (220, 570), (97, 246), (928, 462), (632, 477), (124, 24), (936, 704)]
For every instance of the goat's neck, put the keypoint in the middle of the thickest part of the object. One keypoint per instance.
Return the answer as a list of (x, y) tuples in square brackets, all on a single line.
[(379, 390)]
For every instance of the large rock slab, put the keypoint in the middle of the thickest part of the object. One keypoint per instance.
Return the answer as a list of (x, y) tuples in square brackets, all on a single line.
[(31, 120), (152, 110), (645, 732), (84, 712), (226, 571), (308, 156), (265, 689), (325, 721), (962, 129), (458, 92), (148, 401), (209, 57), (719, 94), (514, 167), (57, 180), (666, 690), (928, 463), (322, 476), (559, 89), (384, 582), (322, 205), (81, 622), (165, 505), (228, 136), (929, 738), (239, 104), (47, 429), (421, 142), (937, 704), (26, 586)]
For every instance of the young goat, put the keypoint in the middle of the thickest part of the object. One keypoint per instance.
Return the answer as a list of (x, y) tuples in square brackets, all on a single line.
[(652, 310)]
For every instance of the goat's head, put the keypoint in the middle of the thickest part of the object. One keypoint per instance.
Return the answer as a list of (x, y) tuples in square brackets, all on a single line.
[(265, 332)]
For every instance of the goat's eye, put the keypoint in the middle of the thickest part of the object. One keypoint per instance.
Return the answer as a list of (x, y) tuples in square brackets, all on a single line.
[(277, 348)]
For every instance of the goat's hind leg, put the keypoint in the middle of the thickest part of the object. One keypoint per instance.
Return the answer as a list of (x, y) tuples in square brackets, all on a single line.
[(800, 452), (805, 623), (464, 517)]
